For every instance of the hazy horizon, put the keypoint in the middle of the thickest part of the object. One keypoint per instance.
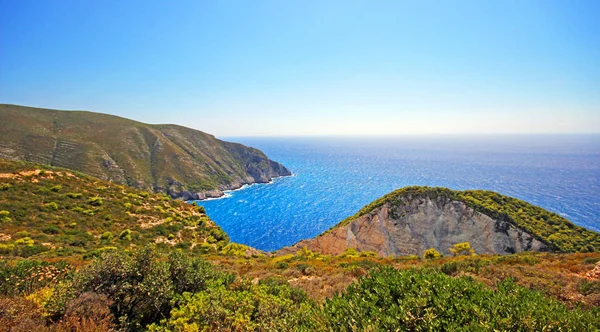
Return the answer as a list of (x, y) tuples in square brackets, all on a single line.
[(298, 68)]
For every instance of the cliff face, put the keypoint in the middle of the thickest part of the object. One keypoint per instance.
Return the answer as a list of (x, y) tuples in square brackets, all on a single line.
[(180, 161), (415, 224)]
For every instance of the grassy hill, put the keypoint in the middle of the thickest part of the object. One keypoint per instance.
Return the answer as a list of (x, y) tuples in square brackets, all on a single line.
[(160, 158), (550, 228), (54, 212)]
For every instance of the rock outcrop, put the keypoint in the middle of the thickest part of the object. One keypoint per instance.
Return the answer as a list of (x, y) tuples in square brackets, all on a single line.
[(411, 224)]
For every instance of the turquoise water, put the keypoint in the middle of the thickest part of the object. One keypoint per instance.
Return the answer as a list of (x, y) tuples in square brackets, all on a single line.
[(335, 177)]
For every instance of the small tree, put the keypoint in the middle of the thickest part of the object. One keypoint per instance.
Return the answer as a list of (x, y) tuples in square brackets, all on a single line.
[(432, 253), (463, 248)]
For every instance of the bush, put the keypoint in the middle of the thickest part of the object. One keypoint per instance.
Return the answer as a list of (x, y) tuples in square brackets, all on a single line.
[(74, 195), (125, 235), (95, 201), (107, 236), (56, 188), (52, 206), (432, 253), (141, 288), (247, 308), (51, 229), (19, 314), (4, 216), (463, 248), (393, 300)]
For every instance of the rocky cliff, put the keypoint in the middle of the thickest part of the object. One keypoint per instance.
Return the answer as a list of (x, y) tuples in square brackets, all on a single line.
[(415, 219), (180, 161)]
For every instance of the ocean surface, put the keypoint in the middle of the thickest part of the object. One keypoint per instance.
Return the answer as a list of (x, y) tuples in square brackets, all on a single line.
[(335, 177)]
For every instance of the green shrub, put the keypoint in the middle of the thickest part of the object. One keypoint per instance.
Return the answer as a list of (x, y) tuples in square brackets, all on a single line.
[(107, 236), (392, 300), (88, 212), (52, 206), (95, 201), (56, 188), (142, 288), (235, 249), (125, 235), (74, 195), (25, 241), (463, 248), (51, 229), (4, 216), (260, 307), (5, 186), (432, 253)]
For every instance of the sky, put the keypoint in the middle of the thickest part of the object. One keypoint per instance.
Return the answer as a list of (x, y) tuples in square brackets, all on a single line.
[(279, 68)]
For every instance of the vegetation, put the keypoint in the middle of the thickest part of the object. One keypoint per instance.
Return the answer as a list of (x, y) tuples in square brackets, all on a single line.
[(548, 227), (177, 291), (52, 212), (105, 257), (162, 158), (390, 300)]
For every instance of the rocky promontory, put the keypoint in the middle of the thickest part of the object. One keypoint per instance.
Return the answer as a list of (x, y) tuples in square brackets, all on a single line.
[(182, 162), (414, 219)]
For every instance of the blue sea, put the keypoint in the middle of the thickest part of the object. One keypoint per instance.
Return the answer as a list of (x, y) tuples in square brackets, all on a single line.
[(335, 177)]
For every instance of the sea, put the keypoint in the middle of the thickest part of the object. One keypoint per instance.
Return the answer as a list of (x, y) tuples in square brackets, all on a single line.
[(333, 177)]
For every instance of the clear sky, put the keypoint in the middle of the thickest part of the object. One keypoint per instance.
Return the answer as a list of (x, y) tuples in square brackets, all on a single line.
[(235, 68)]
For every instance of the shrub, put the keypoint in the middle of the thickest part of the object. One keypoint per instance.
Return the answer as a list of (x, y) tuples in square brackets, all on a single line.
[(25, 241), (52, 206), (95, 201), (125, 235), (392, 300), (51, 229), (4, 216), (88, 212), (56, 188), (235, 249), (463, 248), (19, 314), (5, 186), (88, 307), (107, 236), (199, 208), (432, 253), (252, 308), (74, 195), (140, 288)]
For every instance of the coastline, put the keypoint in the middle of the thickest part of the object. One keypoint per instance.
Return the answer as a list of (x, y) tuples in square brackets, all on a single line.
[(228, 193)]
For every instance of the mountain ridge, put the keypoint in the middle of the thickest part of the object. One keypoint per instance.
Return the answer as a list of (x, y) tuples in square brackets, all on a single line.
[(173, 159)]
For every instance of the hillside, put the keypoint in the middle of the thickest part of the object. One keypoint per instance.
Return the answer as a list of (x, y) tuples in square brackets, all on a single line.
[(81, 254), (171, 159), (413, 219), (54, 212)]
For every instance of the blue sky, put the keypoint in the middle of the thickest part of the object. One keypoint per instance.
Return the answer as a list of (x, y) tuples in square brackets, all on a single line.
[(236, 68)]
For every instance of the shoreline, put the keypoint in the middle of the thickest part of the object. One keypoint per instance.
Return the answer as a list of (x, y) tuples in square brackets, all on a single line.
[(228, 193)]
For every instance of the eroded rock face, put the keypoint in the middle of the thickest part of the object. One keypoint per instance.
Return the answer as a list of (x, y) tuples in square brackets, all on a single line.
[(413, 226)]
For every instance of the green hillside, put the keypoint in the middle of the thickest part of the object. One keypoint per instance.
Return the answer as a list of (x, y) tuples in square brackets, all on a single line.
[(550, 228), (160, 158), (53, 212)]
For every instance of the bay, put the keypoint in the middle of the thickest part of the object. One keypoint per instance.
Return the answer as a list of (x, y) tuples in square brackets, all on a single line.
[(335, 176)]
